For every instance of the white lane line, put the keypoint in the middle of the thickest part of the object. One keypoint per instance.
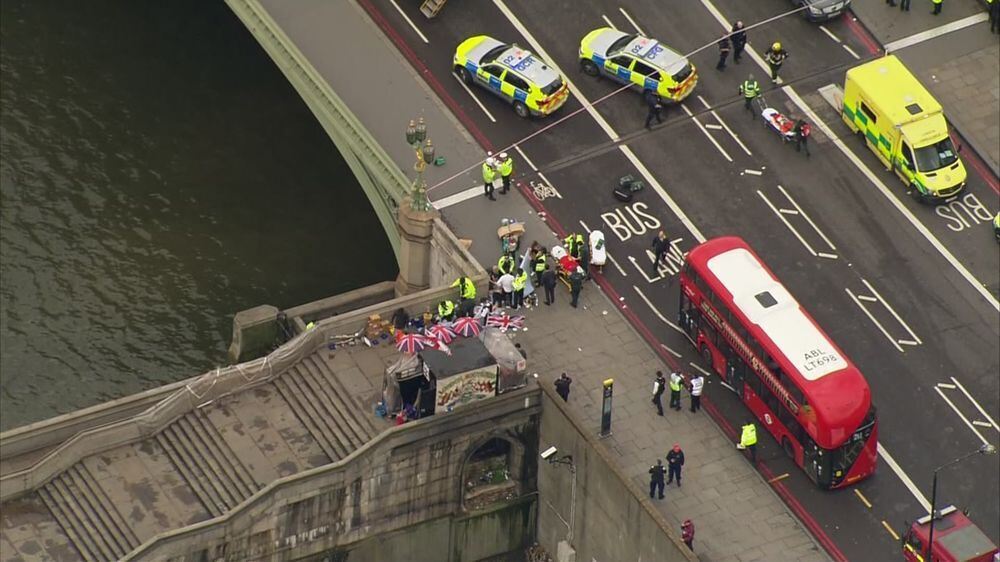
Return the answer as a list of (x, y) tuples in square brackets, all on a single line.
[(946, 385), (528, 161), (727, 386), (867, 298), (961, 415), (936, 32), (601, 122), (479, 103), (974, 403), (713, 126), (885, 303), (661, 316), (631, 21), (607, 21), (703, 371), (921, 499), (971, 279), (456, 198), (707, 134), (891, 339), (851, 51), (909, 342), (409, 21), (826, 255), (788, 224), (981, 423), (725, 126), (829, 33), (620, 270), (672, 352), (806, 216), (753, 172)]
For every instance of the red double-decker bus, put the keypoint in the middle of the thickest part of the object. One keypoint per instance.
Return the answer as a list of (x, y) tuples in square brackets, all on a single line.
[(758, 338)]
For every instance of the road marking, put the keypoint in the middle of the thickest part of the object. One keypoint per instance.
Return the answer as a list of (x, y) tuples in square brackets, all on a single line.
[(409, 21), (713, 126), (650, 180), (829, 33), (607, 21), (981, 423), (891, 339), (620, 270), (863, 499), (672, 352), (707, 134), (661, 316), (788, 224), (631, 21), (936, 32), (727, 386), (723, 123), (850, 50), (867, 298), (961, 415), (456, 198), (974, 403), (528, 161), (853, 158), (885, 303), (895, 537), (809, 220), (479, 103), (921, 499), (702, 371), (753, 172), (946, 385), (827, 256)]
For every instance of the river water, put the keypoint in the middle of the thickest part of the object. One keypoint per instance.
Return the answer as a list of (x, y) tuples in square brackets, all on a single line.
[(157, 174)]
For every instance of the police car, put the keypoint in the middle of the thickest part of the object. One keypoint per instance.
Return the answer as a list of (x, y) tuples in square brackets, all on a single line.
[(639, 61), (512, 73)]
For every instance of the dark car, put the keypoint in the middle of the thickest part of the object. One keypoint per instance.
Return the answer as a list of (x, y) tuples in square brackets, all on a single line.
[(822, 10)]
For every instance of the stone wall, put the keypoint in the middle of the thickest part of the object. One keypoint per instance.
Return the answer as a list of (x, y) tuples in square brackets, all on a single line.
[(595, 514), (407, 477)]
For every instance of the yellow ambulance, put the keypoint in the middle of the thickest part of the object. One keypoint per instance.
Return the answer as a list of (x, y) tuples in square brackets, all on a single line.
[(904, 126)]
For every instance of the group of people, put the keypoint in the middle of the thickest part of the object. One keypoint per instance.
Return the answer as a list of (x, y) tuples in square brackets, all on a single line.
[(675, 461), (735, 42), (750, 90), (496, 168), (508, 280), (695, 385)]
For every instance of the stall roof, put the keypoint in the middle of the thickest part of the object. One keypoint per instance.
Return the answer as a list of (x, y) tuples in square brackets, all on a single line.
[(467, 354)]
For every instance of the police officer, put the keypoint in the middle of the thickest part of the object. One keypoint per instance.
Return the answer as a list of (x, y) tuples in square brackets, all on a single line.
[(520, 282), (654, 105), (656, 479), (750, 90), (506, 171), (541, 260), (466, 288), (724, 49), (489, 174), (775, 57), (697, 385), (675, 390), (994, 7), (739, 38), (506, 264), (659, 383), (748, 439), (446, 310), (575, 286), (937, 6), (549, 283)]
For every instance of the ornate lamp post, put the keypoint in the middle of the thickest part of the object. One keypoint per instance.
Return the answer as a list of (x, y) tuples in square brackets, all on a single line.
[(416, 137), (984, 449)]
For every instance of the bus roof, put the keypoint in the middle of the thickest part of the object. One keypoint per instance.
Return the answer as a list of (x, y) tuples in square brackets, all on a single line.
[(831, 384), (897, 93)]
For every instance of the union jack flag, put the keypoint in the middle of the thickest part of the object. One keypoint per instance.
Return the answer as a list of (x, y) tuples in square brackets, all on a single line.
[(505, 322)]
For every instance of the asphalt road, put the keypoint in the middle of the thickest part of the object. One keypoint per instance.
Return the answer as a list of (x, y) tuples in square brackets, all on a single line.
[(907, 290)]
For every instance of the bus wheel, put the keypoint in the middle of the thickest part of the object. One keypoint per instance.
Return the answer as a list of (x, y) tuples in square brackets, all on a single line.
[(787, 446), (706, 355)]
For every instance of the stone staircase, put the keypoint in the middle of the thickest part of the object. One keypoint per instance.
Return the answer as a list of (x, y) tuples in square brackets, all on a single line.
[(88, 516), (208, 465), (325, 407)]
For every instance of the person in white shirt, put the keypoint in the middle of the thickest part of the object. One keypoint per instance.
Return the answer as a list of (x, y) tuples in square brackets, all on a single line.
[(697, 384), (506, 283)]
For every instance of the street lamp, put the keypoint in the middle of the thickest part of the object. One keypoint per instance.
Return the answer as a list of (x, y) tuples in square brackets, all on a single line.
[(984, 449), (423, 149)]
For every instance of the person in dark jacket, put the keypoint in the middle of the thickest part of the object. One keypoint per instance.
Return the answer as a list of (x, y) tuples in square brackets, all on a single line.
[(802, 132), (675, 460), (562, 386), (725, 47), (549, 283), (656, 479), (654, 105), (659, 384), (739, 38), (660, 246), (575, 286)]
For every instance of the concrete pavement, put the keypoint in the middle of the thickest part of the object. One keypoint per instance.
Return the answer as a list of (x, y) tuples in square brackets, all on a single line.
[(961, 68), (738, 516)]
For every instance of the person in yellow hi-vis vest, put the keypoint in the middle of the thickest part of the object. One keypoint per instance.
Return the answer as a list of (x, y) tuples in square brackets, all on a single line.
[(748, 440), (937, 6)]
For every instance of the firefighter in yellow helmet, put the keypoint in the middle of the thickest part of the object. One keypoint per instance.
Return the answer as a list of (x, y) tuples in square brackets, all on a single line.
[(775, 57)]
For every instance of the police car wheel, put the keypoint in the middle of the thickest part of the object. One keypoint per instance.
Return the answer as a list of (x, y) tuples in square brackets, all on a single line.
[(521, 110), (589, 68), (464, 75)]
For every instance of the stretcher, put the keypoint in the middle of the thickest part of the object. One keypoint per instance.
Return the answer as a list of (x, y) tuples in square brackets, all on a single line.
[(784, 126), (598, 253), (565, 264)]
